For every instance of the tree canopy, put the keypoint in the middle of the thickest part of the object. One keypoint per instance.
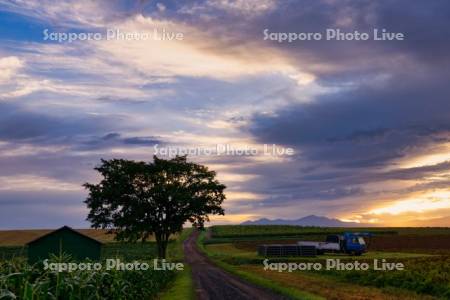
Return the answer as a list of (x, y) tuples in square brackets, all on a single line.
[(137, 200)]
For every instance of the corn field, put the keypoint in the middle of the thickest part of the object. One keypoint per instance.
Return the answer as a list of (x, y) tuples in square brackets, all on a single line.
[(18, 280)]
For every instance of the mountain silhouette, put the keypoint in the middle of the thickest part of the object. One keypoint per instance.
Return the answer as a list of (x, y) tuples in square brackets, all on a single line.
[(311, 220)]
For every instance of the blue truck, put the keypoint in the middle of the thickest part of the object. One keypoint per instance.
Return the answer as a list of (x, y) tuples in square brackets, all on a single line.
[(352, 243)]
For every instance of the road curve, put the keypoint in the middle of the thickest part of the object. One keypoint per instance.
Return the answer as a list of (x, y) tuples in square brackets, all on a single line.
[(213, 283)]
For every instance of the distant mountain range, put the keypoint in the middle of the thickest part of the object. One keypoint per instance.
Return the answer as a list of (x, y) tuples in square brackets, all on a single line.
[(311, 220)]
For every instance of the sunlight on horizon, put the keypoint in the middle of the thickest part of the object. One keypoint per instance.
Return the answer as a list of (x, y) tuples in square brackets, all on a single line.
[(427, 202)]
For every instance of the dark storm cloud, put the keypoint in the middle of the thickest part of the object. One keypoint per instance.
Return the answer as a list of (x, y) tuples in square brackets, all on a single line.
[(49, 209), (115, 139), (19, 124), (144, 141), (19, 198), (81, 131), (363, 127), (64, 166), (397, 102), (117, 100), (346, 138), (425, 24), (388, 100), (417, 172)]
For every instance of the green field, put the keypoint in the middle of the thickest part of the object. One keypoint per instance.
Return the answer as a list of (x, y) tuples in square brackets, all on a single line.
[(21, 280), (264, 231), (126, 251), (426, 274), (425, 252)]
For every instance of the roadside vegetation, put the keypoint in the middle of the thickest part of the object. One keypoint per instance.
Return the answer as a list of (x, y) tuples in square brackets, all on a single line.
[(426, 274), (264, 231), (182, 287), (19, 280)]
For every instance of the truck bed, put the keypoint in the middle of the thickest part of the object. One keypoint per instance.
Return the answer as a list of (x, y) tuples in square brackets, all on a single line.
[(321, 245)]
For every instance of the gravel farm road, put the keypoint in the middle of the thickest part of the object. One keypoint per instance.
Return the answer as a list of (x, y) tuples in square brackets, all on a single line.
[(213, 283)]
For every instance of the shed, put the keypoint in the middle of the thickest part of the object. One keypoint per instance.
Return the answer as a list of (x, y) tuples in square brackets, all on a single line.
[(64, 240)]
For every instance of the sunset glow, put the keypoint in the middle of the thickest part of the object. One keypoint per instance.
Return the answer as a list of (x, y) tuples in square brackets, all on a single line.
[(428, 202), (355, 130)]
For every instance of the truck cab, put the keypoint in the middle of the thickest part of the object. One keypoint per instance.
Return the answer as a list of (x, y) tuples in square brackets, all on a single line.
[(353, 243)]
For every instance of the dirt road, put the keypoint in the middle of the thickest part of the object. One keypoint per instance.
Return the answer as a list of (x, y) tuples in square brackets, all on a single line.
[(212, 283)]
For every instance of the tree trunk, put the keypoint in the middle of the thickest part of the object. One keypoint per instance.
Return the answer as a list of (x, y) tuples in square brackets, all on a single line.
[(162, 246)]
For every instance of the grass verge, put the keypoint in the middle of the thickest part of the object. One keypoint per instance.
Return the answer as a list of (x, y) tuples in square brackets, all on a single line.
[(425, 276), (182, 288)]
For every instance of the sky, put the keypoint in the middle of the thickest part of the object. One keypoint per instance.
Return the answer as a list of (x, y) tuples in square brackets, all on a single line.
[(361, 128)]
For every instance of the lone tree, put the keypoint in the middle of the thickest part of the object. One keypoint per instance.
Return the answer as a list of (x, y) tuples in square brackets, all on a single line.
[(137, 199)]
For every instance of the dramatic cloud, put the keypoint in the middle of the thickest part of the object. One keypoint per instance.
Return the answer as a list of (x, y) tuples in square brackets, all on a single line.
[(369, 120)]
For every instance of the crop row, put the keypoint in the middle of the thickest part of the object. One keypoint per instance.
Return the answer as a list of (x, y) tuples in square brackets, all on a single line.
[(18, 280), (126, 251), (427, 275), (230, 231)]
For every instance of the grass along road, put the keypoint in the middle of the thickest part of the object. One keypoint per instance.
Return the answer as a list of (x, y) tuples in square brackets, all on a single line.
[(426, 275)]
